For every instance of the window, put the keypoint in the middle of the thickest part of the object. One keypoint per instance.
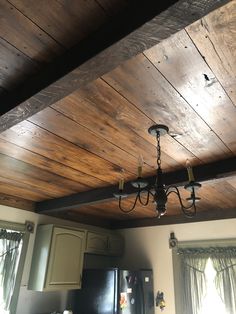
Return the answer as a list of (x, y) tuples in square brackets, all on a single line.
[(13, 246), (205, 277), (211, 302)]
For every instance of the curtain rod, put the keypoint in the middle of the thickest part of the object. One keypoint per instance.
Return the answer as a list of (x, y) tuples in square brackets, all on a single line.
[(28, 226)]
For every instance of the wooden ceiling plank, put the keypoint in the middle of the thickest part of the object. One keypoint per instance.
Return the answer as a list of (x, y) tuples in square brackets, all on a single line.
[(214, 170), (14, 147), (15, 67), (178, 219), (215, 38), (116, 42), (133, 118), (111, 211), (38, 140), (96, 212), (82, 16), (41, 162), (90, 103), (16, 202), (112, 206), (2, 91), (126, 120), (27, 37), (208, 201), (214, 196), (112, 7), (232, 182), (13, 188), (179, 60), (84, 218), (228, 193), (141, 83), (37, 179), (87, 139)]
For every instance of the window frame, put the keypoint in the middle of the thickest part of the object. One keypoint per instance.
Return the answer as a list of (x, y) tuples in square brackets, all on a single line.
[(25, 241), (176, 262)]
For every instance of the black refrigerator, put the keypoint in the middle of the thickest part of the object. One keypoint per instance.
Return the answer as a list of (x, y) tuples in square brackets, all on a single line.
[(114, 291)]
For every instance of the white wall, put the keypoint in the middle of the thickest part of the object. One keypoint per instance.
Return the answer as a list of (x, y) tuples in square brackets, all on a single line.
[(31, 302), (149, 247)]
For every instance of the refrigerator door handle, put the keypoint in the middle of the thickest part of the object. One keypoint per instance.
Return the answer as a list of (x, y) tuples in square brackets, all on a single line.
[(141, 295)]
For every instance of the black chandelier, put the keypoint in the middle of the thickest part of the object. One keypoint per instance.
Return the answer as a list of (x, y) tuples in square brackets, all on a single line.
[(158, 191)]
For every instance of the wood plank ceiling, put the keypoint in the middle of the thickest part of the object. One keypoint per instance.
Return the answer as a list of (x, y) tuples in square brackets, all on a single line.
[(93, 137), (33, 33)]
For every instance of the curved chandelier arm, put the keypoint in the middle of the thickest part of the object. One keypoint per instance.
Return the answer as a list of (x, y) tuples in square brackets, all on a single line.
[(140, 198), (127, 211), (185, 209)]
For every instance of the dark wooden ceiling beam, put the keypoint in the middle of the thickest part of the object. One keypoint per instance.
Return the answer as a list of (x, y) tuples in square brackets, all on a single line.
[(212, 171), (142, 25)]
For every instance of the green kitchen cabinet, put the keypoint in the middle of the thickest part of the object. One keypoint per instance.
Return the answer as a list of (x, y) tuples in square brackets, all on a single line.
[(109, 244), (57, 259)]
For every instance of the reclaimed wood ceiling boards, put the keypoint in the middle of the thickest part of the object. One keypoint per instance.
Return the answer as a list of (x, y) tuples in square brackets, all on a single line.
[(82, 81)]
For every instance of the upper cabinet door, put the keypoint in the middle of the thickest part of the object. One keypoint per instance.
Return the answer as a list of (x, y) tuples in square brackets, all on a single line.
[(104, 243), (97, 243), (65, 259)]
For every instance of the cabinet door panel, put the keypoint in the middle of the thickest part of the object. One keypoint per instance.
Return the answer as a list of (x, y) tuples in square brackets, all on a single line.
[(66, 259), (97, 243)]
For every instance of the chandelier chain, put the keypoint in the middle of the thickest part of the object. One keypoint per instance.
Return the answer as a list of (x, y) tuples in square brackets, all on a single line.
[(158, 150)]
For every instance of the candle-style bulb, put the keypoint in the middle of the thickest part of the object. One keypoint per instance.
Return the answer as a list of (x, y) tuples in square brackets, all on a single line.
[(190, 171), (121, 184), (140, 166)]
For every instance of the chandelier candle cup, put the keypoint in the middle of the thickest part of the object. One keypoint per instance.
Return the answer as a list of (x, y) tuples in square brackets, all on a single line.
[(158, 193)]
